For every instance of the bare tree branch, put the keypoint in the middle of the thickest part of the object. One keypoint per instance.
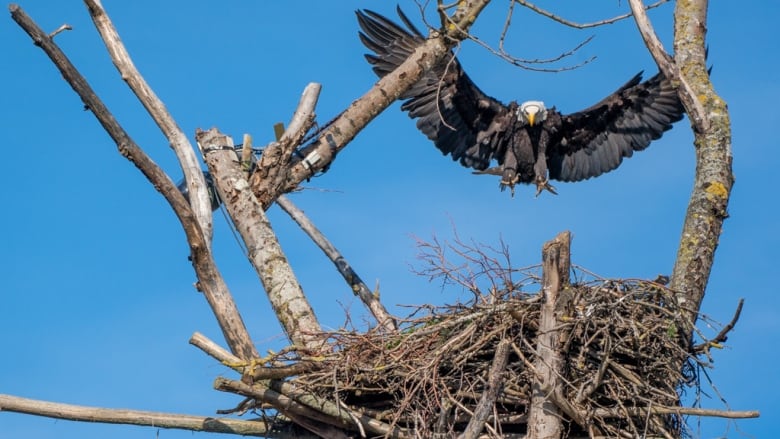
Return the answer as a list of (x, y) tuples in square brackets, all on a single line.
[(271, 173), (196, 184), (665, 62), (210, 280), (359, 288), (136, 417), (290, 305), (576, 25), (344, 128)]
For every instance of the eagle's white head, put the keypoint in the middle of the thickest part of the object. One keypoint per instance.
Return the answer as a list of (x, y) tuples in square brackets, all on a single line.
[(532, 112)]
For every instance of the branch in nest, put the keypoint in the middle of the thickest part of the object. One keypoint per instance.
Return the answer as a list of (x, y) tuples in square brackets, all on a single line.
[(483, 409), (288, 399), (657, 410)]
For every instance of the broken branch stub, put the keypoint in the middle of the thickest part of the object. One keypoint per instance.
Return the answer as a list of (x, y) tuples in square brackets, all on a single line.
[(544, 418)]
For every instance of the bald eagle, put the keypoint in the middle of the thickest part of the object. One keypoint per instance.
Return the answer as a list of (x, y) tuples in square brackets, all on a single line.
[(530, 142)]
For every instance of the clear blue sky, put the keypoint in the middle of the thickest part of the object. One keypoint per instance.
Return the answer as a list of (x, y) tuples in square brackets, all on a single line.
[(97, 296)]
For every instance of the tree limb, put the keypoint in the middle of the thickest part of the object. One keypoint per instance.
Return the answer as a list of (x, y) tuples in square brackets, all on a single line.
[(319, 154), (210, 280), (196, 184), (707, 208), (289, 303), (665, 62), (287, 397), (272, 168), (576, 25), (137, 417), (357, 285), (723, 334)]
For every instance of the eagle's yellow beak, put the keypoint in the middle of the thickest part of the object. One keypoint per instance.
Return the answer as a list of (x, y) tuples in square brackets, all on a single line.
[(531, 118)]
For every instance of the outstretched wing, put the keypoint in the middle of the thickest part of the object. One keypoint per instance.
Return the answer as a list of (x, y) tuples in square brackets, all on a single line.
[(595, 141), (450, 109)]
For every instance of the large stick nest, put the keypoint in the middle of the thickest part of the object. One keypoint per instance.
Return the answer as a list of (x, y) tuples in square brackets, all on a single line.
[(623, 352)]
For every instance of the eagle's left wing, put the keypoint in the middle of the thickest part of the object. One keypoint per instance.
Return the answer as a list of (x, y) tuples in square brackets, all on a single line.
[(594, 141)]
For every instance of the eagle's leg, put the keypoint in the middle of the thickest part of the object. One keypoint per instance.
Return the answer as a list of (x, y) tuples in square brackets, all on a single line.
[(543, 184), (509, 178), (540, 170)]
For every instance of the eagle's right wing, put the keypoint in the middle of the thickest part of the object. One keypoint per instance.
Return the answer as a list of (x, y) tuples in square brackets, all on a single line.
[(463, 122)]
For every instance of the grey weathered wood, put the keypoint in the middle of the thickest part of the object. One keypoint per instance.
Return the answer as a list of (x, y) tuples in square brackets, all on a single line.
[(485, 405), (210, 280), (544, 416), (73, 412), (268, 180), (287, 299), (196, 184), (711, 123)]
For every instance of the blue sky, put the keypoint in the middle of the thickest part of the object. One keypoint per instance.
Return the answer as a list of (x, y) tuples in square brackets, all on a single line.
[(98, 302)]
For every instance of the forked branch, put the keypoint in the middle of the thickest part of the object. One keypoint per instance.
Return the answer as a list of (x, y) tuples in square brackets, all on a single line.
[(196, 184), (210, 280), (272, 168)]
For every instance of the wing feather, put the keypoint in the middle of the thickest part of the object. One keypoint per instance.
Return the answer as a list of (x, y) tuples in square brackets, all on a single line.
[(594, 141), (450, 109)]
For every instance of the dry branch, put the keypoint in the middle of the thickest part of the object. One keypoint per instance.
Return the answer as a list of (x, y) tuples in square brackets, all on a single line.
[(287, 299), (209, 279), (196, 184), (319, 155), (494, 385), (576, 25), (269, 177), (354, 281), (137, 417), (692, 411), (723, 334), (665, 62)]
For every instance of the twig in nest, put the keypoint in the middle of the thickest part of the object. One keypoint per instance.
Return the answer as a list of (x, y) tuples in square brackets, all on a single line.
[(723, 334)]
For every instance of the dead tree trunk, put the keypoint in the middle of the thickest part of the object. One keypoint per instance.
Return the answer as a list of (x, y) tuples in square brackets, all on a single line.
[(709, 116), (544, 416)]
